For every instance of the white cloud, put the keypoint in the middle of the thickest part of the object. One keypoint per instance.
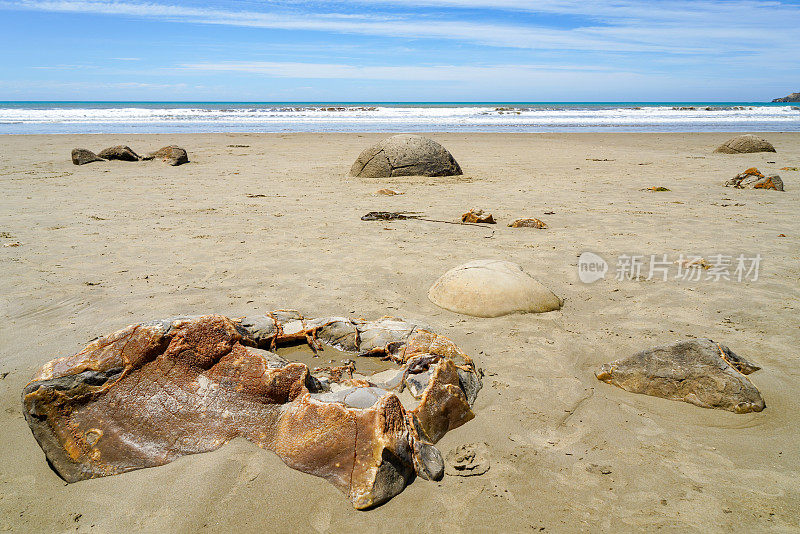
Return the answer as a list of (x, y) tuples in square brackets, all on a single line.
[(677, 27), (434, 73)]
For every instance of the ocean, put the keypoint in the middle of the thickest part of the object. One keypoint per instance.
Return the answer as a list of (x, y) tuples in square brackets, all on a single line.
[(195, 117)]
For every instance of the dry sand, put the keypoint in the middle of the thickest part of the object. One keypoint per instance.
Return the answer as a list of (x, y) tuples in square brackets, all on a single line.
[(110, 244)]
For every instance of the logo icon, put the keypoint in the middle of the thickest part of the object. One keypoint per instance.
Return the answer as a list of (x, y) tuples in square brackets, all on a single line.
[(591, 267)]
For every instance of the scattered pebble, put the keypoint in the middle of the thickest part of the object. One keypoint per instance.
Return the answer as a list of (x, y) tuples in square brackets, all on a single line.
[(694, 262), (599, 469), (528, 223)]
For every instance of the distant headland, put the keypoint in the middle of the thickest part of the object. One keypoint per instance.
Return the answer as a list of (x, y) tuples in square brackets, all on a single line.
[(794, 97)]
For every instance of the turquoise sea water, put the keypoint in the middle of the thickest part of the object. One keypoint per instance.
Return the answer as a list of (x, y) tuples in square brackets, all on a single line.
[(173, 117)]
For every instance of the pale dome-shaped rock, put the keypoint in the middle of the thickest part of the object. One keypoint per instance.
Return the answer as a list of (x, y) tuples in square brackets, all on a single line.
[(745, 144), (405, 155), (491, 288)]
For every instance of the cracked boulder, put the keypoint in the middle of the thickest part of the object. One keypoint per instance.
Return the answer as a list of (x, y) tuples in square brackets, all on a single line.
[(119, 152), (154, 392), (82, 156), (699, 371), (173, 155), (405, 155), (753, 179), (491, 288), (745, 144)]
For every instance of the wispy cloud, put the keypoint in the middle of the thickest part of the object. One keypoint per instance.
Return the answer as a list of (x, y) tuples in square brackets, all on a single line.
[(561, 48), (703, 27), (438, 73)]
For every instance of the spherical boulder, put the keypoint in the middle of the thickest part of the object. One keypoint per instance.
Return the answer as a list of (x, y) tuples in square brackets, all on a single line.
[(745, 144), (491, 288), (405, 155)]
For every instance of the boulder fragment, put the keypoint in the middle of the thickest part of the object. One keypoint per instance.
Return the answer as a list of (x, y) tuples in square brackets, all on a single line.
[(528, 223), (745, 144), (82, 156), (119, 152), (491, 288), (478, 216), (405, 155), (699, 371), (753, 179), (173, 155), (153, 392)]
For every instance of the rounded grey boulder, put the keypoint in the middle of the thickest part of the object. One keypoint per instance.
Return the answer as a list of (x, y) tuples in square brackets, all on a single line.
[(405, 155), (745, 144)]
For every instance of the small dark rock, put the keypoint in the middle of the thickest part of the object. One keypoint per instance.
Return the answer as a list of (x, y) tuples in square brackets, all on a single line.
[(119, 152), (81, 156), (599, 469), (385, 216)]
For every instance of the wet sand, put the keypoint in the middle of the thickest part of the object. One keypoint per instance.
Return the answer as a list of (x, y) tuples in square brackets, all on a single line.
[(274, 223)]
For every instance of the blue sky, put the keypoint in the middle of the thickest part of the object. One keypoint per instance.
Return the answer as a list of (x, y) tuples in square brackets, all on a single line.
[(399, 50)]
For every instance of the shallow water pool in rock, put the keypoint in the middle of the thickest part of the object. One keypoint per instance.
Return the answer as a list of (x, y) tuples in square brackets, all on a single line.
[(332, 357)]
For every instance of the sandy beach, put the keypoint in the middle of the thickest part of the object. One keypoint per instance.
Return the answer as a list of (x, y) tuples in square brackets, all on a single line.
[(258, 222)]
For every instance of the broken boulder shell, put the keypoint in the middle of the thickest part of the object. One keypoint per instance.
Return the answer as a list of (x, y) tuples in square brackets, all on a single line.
[(745, 144), (753, 179), (491, 288), (478, 216), (154, 392), (699, 371), (405, 155)]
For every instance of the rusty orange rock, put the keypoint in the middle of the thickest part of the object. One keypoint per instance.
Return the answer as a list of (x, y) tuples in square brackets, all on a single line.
[(151, 393), (768, 183), (753, 179), (478, 216)]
